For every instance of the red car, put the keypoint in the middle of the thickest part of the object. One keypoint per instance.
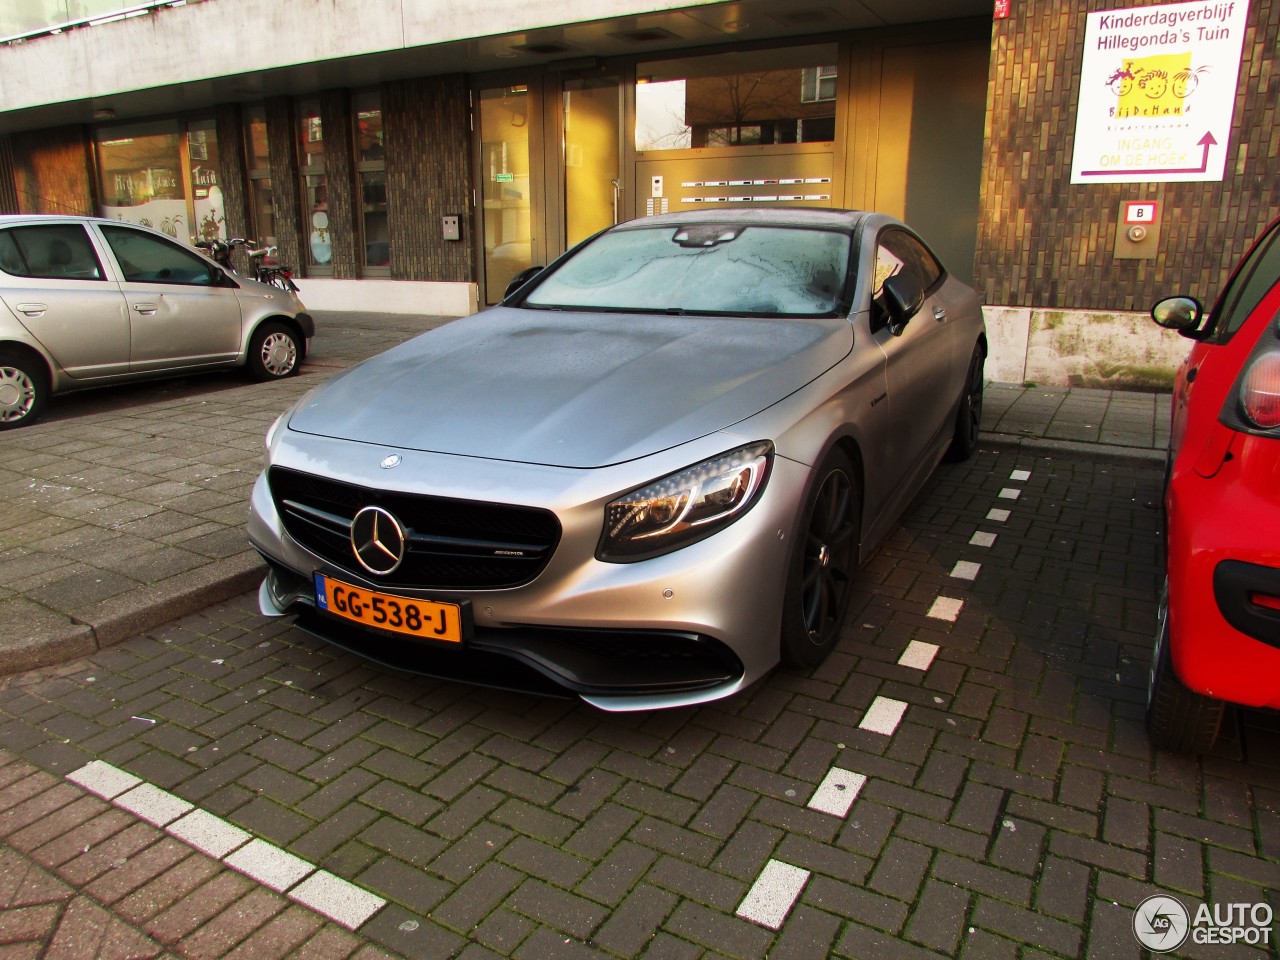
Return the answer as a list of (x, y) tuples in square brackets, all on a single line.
[(1218, 632)]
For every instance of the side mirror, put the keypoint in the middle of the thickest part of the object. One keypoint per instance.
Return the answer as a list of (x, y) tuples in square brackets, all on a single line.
[(1178, 313), (520, 279), (903, 297)]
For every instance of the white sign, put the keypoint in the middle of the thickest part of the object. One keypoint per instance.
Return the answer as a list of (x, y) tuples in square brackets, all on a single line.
[(1157, 92), (1139, 212)]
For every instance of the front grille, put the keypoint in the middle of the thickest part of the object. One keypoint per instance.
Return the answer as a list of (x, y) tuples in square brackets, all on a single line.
[(452, 544)]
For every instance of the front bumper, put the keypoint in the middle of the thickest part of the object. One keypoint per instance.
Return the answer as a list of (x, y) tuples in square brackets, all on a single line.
[(687, 627), (1223, 558), (618, 668)]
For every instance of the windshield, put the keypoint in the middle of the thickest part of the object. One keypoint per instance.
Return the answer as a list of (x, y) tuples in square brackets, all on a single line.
[(720, 268)]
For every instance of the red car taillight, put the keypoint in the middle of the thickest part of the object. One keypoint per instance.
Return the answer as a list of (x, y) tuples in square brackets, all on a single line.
[(1260, 391), (1253, 405)]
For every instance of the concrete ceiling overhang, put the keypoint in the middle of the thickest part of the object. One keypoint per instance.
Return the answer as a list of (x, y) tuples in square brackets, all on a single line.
[(319, 57)]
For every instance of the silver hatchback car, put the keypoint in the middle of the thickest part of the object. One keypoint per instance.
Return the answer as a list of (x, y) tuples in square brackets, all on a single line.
[(89, 302), (645, 478)]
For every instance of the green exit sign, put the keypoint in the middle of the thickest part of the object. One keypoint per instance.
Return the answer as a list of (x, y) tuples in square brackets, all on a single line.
[(505, 177)]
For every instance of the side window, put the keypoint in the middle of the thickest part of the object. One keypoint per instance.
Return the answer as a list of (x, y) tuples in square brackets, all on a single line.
[(915, 256), (53, 251), (887, 264), (1256, 276), (148, 259)]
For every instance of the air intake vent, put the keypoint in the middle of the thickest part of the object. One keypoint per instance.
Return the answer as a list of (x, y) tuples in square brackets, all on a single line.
[(547, 48), (646, 35)]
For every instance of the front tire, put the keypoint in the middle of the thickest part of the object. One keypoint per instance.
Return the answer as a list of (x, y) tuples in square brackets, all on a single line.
[(823, 563), (24, 387), (969, 417), (275, 352), (1178, 718)]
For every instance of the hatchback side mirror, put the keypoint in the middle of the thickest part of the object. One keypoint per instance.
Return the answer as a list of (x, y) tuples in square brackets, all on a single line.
[(1179, 313), (903, 297), (520, 279)]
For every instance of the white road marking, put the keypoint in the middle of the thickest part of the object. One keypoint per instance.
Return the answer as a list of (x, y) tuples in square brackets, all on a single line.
[(918, 655), (982, 539), (338, 900), (1020, 475), (773, 894), (883, 716), (966, 570), (999, 516), (1009, 493), (209, 834), (335, 898), (946, 608), (269, 865), (153, 804), (103, 779), (837, 791)]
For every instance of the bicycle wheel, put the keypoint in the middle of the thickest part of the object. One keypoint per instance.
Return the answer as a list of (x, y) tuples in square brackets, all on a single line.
[(281, 280)]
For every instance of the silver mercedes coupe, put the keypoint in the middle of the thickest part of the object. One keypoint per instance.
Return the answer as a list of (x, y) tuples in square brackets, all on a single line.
[(647, 477)]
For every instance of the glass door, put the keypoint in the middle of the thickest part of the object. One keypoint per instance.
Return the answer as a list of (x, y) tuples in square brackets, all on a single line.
[(506, 184), (592, 138)]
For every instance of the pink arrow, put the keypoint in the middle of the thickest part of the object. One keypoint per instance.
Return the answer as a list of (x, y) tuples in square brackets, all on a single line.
[(1206, 141)]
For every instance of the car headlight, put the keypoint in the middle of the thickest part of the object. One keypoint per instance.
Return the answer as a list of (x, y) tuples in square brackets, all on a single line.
[(684, 507)]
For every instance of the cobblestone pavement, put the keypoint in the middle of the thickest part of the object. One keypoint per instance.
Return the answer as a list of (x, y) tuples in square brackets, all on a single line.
[(966, 776), (126, 507)]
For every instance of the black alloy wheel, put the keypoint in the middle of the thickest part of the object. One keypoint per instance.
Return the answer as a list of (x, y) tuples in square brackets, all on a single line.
[(969, 416), (823, 564)]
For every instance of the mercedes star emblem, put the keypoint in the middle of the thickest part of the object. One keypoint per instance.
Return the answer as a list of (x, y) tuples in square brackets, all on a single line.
[(391, 462), (377, 540)]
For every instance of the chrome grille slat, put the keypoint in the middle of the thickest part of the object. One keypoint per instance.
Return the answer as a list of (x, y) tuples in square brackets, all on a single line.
[(452, 544)]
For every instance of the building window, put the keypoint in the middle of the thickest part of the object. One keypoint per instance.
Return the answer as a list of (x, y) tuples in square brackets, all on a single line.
[(315, 187), (727, 100), (140, 176), (371, 173), (209, 218), (817, 84), (262, 210)]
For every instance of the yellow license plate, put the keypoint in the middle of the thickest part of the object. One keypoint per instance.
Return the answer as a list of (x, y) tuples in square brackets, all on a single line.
[(427, 619)]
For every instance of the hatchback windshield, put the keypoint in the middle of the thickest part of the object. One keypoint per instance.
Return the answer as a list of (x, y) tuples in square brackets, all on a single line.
[(721, 268)]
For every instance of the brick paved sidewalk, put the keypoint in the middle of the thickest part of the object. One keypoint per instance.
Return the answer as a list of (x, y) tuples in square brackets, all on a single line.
[(1009, 806), (81, 880)]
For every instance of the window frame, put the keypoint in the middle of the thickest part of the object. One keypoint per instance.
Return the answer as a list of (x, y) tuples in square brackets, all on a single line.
[(57, 228), (212, 275)]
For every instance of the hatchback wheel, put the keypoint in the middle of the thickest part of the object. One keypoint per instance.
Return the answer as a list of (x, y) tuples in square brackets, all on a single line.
[(23, 389), (1178, 719), (274, 352), (823, 563)]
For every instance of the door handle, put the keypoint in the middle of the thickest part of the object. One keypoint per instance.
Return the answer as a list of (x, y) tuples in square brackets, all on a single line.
[(146, 309), (939, 314), (32, 309)]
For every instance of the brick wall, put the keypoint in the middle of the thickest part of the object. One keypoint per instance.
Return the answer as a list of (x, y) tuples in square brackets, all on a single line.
[(52, 172), (232, 176), (1043, 241), (428, 144), (335, 114), (8, 191), (284, 180)]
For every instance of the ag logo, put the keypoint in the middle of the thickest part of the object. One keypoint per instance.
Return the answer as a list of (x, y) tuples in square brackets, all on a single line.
[(1161, 923)]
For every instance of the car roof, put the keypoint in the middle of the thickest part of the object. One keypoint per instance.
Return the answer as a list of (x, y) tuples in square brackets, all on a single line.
[(8, 218), (780, 216)]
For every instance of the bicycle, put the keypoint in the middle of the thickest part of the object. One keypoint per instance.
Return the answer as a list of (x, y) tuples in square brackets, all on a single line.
[(274, 274)]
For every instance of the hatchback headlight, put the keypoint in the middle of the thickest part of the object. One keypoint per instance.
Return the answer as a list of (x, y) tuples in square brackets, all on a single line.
[(684, 507)]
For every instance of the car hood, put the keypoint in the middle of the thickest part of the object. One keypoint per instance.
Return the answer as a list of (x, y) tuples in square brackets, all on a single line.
[(571, 389)]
